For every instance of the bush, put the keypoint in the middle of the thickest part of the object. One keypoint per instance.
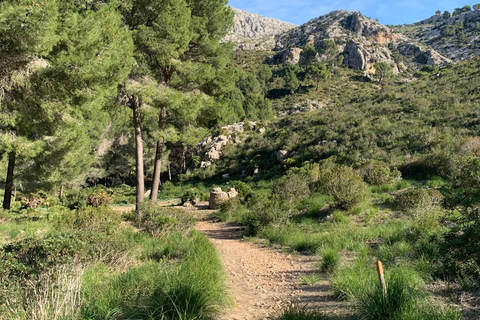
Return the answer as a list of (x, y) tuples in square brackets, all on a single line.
[(99, 198), (242, 188), (418, 201), (227, 210), (377, 173), (460, 247), (75, 198), (191, 195), (345, 186), (32, 201), (104, 220), (291, 188), (264, 210), (159, 221)]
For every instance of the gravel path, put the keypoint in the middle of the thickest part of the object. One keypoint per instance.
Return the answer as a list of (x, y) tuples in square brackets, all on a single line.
[(262, 280)]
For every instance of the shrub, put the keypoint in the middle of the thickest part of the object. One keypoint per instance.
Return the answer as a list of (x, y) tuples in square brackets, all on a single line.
[(460, 247), (418, 201), (377, 173), (191, 195), (264, 210), (32, 201), (345, 186), (159, 221), (291, 188), (99, 198), (75, 198), (227, 209), (102, 219), (242, 188)]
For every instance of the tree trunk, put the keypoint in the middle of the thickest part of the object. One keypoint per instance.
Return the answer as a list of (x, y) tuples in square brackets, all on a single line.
[(162, 119), (156, 171), (137, 120), (14, 193), (60, 194), (184, 158), (7, 198), (169, 173)]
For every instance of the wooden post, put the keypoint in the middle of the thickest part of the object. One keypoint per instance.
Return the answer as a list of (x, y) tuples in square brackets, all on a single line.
[(381, 278)]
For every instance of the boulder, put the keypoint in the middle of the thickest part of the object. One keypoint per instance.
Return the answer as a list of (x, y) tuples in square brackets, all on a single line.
[(217, 197), (232, 193), (281, 155), (354, 56), (213, 155), (292, 56)]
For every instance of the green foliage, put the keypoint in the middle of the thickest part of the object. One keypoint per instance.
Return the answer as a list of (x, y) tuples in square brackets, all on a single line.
[(291, 80), (377, 173), (191, 195), (382, 71), (297, 312), (263, 211), (345, 186), (318, 73), (330, 259), (92, 219), (460, 247), (291, 188), (242, 188), (418, 201), (159, 221)]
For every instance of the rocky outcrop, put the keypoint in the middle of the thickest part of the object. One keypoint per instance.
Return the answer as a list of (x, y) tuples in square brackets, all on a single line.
[(291, 56), (212, 147), (303, 106), (460, 44), (217, 197), (361, 40), (254, 32)]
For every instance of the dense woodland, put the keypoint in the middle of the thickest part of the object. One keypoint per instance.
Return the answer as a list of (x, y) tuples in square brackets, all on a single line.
[(101, 101)]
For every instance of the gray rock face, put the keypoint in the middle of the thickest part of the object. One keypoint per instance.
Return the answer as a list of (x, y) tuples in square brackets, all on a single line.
[(292, 56), (361, 40), (429, 32), (254, 32)]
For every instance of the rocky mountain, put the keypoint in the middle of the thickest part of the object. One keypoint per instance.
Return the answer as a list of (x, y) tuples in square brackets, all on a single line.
[(457, 37), (254, 32), (360, 40)]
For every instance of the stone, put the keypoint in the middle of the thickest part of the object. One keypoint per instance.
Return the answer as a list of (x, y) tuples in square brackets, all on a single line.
[(261, 130), (281, 155), (217, 197), (232, 193), (205, 164), (148, 193), (254, 32), (225, 176), (292, 56), (213, 155)]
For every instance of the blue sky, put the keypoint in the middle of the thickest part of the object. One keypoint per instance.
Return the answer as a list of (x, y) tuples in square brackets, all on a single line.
[(394, 12)]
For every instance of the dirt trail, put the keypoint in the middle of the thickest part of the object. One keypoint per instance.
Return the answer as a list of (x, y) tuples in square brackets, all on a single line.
[(263, 280)]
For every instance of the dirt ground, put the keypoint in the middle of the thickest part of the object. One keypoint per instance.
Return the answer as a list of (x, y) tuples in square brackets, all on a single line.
[(262, 280)]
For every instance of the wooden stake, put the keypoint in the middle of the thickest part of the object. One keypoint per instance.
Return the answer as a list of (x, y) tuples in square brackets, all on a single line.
[(381, 278)]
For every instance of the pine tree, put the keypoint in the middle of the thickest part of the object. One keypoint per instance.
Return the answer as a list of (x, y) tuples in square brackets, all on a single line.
[(62, 64), (178, 45)]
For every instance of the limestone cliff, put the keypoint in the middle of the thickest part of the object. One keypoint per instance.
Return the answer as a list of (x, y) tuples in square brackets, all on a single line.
[(254, 32), (456, 37), (361, 40)]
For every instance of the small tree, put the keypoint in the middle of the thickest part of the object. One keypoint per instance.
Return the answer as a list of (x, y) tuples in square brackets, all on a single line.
[(476, 7), (446, 14), (309, 55), (438, 12), (291, 80), (382, 71), (319, 73)]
